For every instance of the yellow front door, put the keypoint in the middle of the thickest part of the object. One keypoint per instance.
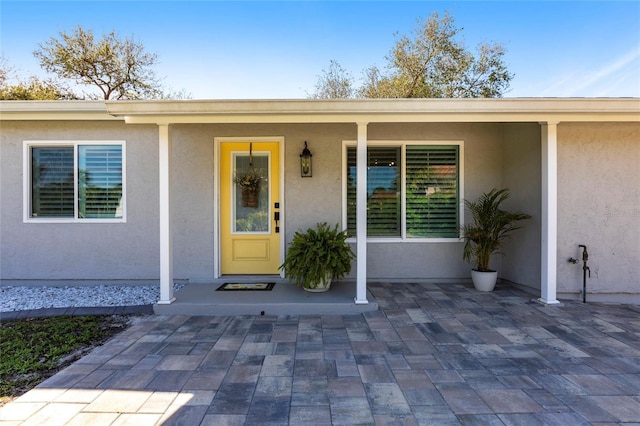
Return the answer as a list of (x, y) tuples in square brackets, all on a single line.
[(249, 232)]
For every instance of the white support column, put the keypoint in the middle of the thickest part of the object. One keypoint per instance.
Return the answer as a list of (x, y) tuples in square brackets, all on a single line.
[(166, 240), (549, 237), (361, 216)]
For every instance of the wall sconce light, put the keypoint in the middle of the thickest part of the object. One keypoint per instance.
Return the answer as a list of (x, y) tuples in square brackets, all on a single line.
[(305, 161)]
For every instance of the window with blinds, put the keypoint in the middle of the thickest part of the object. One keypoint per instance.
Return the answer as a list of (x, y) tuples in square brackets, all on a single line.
[(426, 180), (100, 181), (95, 171), (432, 191), (383, 191), (52, 171)]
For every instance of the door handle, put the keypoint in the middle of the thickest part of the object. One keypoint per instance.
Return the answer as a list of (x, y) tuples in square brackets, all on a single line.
[(276, 218)]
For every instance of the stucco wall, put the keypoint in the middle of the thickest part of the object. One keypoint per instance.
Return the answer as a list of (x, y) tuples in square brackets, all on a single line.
[(311, 200), (130, 251), (599, 206), (521, 173), (438, 261), (307, 200), (193, 205), (81, 251)]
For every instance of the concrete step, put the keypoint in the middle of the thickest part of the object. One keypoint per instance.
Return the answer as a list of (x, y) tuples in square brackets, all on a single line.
[(284, 299)]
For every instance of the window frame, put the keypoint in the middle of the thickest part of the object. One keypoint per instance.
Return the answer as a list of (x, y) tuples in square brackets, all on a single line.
[(403, 194), (27, 180)]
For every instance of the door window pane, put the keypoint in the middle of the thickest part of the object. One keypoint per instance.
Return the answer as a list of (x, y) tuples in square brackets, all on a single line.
[(251, 202)]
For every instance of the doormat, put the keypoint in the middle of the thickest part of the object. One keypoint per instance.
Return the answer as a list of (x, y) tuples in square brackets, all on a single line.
[(246, 287)]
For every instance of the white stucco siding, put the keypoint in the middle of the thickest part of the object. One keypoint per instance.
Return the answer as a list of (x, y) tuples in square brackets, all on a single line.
[(599, 206), (80, 251)]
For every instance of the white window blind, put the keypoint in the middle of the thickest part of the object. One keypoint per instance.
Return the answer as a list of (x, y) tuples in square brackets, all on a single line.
[(100, 181), (383, 191), (52, 192), (71, 180), (431, 191)]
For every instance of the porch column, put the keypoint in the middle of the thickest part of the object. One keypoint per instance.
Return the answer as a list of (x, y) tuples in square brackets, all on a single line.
[(166, 240), (549, 237), (361, 216)]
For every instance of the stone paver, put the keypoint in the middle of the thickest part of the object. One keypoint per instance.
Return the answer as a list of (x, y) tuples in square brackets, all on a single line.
[(432, 354)]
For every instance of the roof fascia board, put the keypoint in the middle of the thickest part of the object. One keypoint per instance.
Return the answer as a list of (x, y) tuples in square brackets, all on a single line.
[(378, 110), (55, 110), (195, 107), (329, 111), (380, 118)]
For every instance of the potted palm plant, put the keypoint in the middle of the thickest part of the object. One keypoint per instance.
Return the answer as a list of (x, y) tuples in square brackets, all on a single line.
[(485, 236), (317, 256)]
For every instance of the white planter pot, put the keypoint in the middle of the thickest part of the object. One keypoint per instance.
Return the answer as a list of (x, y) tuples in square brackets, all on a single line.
[(321, 287), (484, 281)]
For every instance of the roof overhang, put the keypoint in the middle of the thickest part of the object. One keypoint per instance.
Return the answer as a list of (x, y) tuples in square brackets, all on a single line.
[(377, 110), (55, 110), (331, 111)]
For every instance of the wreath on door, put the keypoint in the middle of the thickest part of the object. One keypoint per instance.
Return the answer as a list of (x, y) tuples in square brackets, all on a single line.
[(249, 184)]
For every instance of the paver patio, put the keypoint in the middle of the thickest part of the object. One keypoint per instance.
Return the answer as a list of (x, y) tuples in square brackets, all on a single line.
[(432, 354)]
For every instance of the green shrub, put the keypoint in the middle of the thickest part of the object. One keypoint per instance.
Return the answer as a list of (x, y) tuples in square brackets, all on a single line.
[(316, 253)]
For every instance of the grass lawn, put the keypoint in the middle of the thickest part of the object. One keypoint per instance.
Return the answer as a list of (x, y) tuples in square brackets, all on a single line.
[(34, 349)]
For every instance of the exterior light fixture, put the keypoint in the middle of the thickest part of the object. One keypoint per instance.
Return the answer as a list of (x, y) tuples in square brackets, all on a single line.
[(305, 161)]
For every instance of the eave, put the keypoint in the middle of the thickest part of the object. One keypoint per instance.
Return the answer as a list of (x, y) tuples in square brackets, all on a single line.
[(377, 110), (165, 112), (55, 110)]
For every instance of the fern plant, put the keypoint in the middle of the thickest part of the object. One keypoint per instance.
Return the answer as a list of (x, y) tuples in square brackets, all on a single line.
[(490, 228), (317, 254)]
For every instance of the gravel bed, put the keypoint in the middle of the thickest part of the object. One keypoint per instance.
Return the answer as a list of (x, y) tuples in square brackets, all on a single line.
[(21, 298)]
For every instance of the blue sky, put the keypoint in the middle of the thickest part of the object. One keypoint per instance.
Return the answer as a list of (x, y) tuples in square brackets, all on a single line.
[(261, 50)]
